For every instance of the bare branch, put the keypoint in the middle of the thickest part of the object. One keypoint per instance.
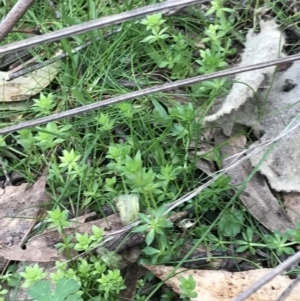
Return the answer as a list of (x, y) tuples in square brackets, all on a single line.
[(96, 24), (268, 277), (289, 289), (54, 59), (13, 17), (143, 92)]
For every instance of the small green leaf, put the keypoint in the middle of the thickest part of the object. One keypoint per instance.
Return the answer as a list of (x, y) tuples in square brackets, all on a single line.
[(288, 250), (148, 39), (150, 251), (241, 249), (140, 229), (40, 291), (150, 237), (231, 222), (65, 288)]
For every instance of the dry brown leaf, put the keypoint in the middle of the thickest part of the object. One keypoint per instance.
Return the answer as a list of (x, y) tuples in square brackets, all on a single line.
[(18, 210), (41, 248), (224, 286), (292, 205), (280, 107), (259, 199), (204, 157), (261, 47), (82, 218), (34, 253), (28, 85), (132, 273), (271, 111), (280, 167), (131, 278), (276, 105)]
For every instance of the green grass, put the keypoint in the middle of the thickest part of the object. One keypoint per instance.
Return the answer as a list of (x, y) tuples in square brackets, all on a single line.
[(141, 146)]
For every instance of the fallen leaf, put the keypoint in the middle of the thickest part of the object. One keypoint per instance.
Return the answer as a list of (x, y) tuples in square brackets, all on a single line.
[(224, 286), (259, 48), (131, 277), (259, 199), (202, 257), (18, 209), (280, 167), (132, 272), (41, 248), (28, 85), (280, 108), (82, 218), (204, 157), (270, 112), (292, 205)]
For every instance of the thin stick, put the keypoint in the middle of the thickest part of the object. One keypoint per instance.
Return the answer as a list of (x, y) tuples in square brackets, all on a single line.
[(289, 289), (96, 24), (268, 277), (143, 92), (54, 59), (13, 17), (61, 56)]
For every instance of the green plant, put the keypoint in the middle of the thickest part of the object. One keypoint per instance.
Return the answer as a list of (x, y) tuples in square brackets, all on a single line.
[(168, 296), (65, 290), (2, 292), (111, 284), (69, 160), (211, 88), (142, 147), (140, 298), (231, 222), (59, 219), (105, 122), (217, 242), (111, 259), (10, 276), (44, 105), (155, 226), (32, 274), (50, 136), (279, 243), (187, 288), (212, 197), (247, 244), (156, 36), (219, 46), (210, 61), (87, 273), (174, 55), (137, 178), (153, 22)]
